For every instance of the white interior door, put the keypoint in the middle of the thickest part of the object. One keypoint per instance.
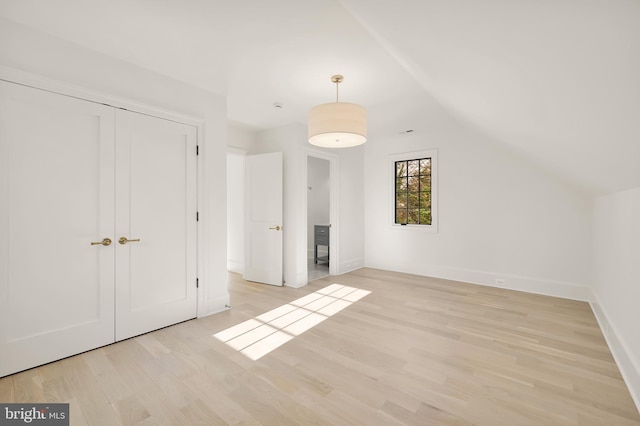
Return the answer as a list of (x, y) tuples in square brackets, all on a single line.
[(156, 204), (56, 197), (263, 219)]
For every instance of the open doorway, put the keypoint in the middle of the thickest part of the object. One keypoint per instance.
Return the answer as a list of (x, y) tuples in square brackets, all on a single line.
[(318, 217)]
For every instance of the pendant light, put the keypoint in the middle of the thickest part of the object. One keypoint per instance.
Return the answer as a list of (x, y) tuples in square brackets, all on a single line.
[(337, 124)]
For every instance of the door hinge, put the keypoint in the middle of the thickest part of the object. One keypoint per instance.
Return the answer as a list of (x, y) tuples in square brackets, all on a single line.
[(197, 216), (197, 149), (197, 283)]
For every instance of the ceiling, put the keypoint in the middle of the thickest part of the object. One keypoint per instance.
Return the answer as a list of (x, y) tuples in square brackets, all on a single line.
[(553, 80)]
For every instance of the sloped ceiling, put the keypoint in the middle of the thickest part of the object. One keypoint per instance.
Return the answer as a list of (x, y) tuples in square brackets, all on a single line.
[(558, 81), (555, 81)]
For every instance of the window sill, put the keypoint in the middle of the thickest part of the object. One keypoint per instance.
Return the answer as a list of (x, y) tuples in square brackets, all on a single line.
[(433, 229)]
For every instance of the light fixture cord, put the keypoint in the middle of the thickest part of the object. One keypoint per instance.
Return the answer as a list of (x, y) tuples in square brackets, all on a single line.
[(337, 93)]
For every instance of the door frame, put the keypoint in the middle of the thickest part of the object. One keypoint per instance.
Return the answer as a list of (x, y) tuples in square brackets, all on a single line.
[(36, 81), (334, 207)]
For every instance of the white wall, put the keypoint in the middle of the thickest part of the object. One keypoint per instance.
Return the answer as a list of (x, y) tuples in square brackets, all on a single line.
[(241, 140), (70, 68), (499, 216), (616, 284), (351, 198), (235, 211), (318, 199)]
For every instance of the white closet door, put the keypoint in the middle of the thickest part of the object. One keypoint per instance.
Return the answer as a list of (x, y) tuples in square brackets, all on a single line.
[(155, 203), (56, 197)]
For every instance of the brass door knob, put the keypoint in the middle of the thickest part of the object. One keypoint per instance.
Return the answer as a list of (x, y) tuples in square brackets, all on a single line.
[(124, 240), (277, 228), (104, 242)]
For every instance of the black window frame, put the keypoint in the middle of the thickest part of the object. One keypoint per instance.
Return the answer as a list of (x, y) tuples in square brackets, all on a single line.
[(414, 205)]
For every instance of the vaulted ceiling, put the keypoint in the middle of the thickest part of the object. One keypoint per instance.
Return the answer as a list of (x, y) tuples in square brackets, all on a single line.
[(556, 81)]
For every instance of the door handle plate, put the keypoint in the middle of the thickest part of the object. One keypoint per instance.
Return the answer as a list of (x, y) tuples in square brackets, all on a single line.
[(277, 228)]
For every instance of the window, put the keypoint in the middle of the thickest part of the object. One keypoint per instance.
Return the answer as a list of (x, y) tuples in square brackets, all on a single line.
[(414, 193)]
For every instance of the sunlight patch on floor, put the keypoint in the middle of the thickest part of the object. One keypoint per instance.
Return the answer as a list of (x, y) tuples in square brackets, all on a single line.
[(264, 333)]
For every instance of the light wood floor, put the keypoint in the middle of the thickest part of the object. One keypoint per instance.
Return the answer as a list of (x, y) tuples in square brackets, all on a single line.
[(415, 351)]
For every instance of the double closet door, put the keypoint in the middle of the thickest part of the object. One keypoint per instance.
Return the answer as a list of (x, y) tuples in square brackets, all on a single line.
[(97, 225)]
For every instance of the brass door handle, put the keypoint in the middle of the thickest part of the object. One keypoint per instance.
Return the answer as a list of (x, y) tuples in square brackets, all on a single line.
[(124, 240), (104, 242), (277, 228)]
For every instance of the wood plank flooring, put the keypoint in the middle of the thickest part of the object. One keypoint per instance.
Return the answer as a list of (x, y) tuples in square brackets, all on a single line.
[(416, 351)]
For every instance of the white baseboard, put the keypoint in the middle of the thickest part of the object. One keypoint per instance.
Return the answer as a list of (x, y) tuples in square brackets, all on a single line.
[(566, 290), (298, 284), (215, 305), (628, 368), (350, 266), (236, 267)]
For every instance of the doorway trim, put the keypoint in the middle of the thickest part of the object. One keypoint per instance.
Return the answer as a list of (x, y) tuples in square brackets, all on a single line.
[(334, 208)]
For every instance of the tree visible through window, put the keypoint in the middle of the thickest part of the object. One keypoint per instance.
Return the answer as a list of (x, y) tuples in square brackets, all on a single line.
[(413, 192)]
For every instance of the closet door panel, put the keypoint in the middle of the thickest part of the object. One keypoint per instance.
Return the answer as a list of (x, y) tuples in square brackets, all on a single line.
[(56, 197), (156, 203)]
